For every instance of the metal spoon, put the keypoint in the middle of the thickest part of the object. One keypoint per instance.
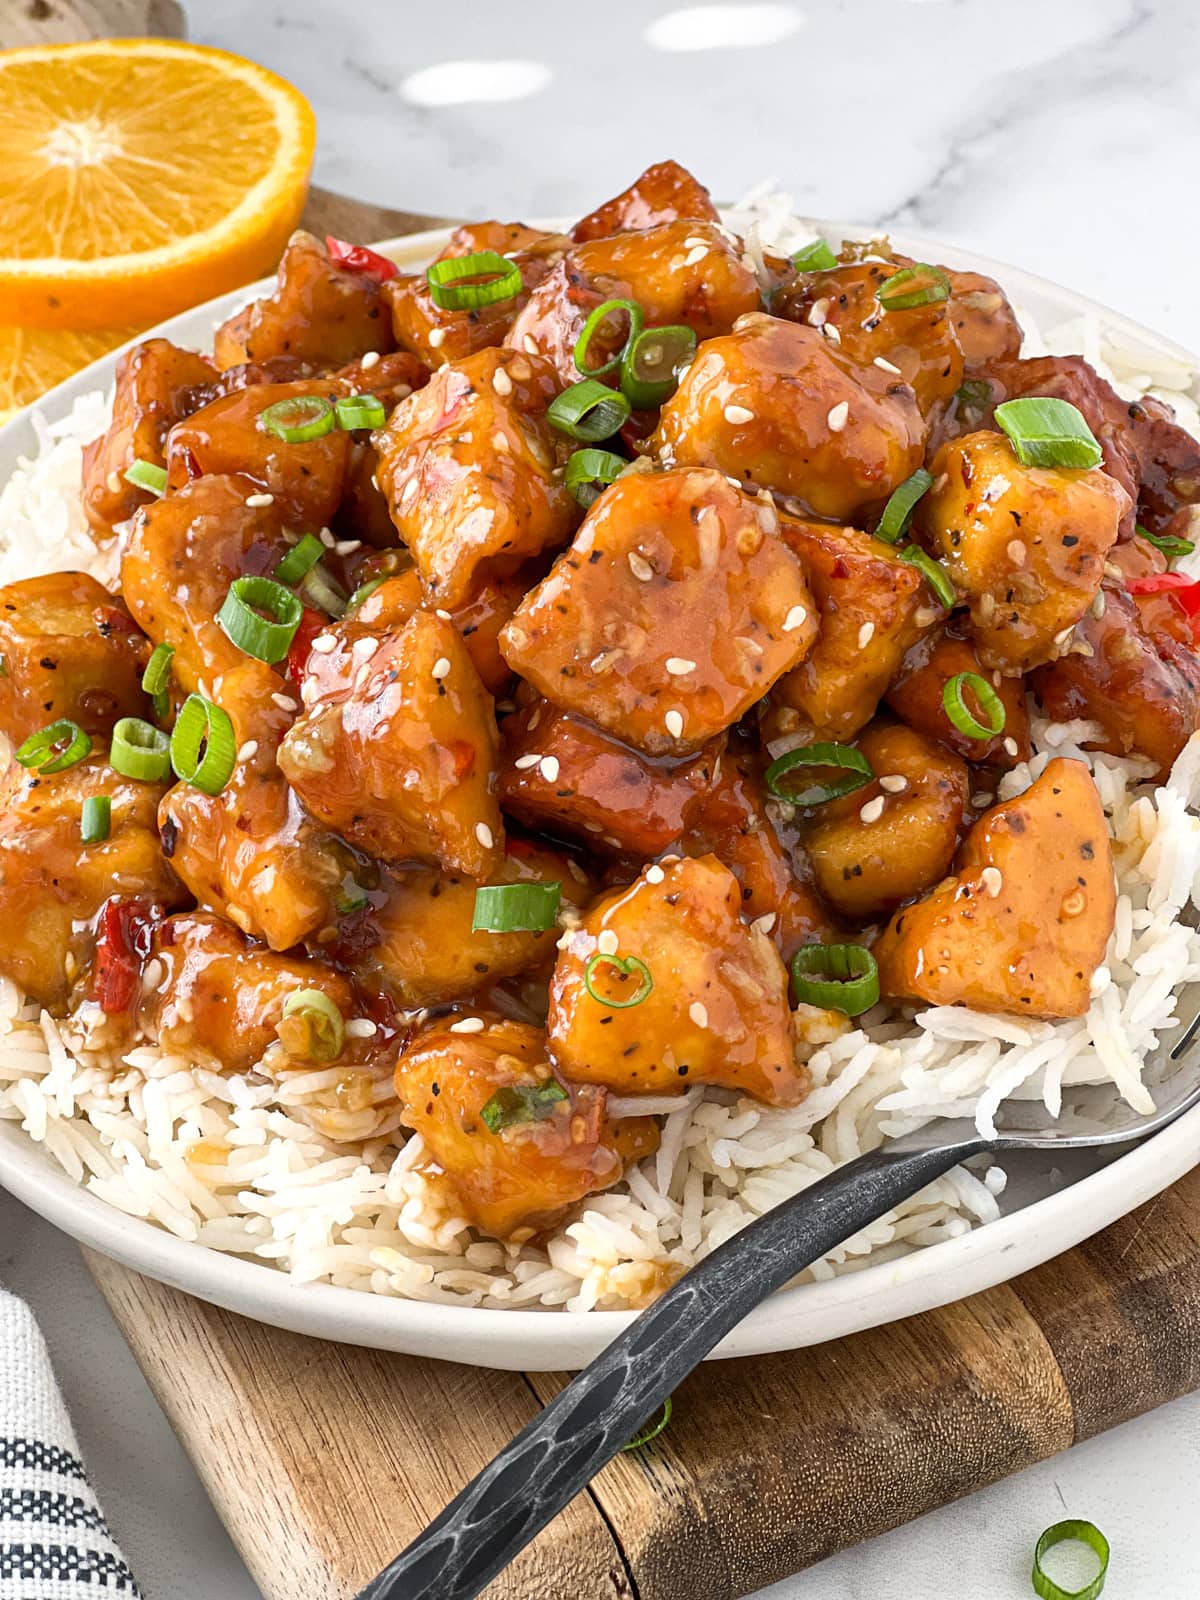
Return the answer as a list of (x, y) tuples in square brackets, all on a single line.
[(600, 1410)]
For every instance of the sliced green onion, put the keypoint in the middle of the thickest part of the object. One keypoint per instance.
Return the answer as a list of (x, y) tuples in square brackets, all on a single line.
[(516, 907), (974, 394), (589, 472), (601, 314), (918, 285), (449, 291), (300, 560), (651, 363), (1048, 433), (158, 669), (898, 512), (140, 750), (837, 977), (203, 745), (359, 411), (312, 1027), (1170, 546), (363, 592), (627, 966), (815, 257), (955, 703), (298, 419), (1086, 1533), (652, 1429), (63, 744), (323, 592), (145, 475), (932, 571), (265, 639), (522, 1102), (589, 411), (95, 824), (854, 767)]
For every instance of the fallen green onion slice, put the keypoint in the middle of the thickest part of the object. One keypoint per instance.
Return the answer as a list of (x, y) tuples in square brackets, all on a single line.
[(589, 411), (837, 977), (363, 592), (203, 745), (322, 591), (298, 419), (854, 768), (63, 744), (956, 708), (95, 823), (359, 411), (651, 363), (589, 472), (898, 512), (516, 907), (140, 750), (522, 1102), (626, 965), (918, 285), (1046, 432), (312, 1027), (300, 559), (266, 639), (610, 308), (145, 475), (449, 290), (815, 257), (652, 1429), (932, 571), (974, 394), (1086, 1533), (1170, 546), (158, 669)]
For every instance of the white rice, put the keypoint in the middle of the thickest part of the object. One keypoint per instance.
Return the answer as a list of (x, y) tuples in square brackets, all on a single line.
[(278, 1173)]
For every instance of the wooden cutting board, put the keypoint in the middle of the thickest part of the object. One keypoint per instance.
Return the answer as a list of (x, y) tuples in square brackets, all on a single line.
[(324, 1460)]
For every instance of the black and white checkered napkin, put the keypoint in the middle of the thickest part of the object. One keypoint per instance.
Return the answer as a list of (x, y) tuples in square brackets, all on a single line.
[(54, 1541)]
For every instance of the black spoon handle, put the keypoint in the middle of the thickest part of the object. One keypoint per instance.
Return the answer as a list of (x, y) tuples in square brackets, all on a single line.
[(600, 1410)]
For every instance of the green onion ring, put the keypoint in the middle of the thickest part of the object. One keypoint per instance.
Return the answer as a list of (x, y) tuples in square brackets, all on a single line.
[(63, 744), (449, 292), (815, 257), (589, 473), (1046, 432), (1086, 1533), (363, 592), (516, 907), (625, 965), (588, 332), (323, 592), (158, 669), (300, 560), (933, 572), (898, 512), (651, 363), (359, 411), (145, 475), (974, 394), (1170, 546), (892, 296), (239, 617), (837, 977), (855, 768), (298, 419), (589, 411), (653, 1428), (312, 1027), (955, 705), (95, 822), (140, 750), (201, 724)]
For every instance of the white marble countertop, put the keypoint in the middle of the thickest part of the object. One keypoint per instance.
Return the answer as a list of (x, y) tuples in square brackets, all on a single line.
[(1060, 134)]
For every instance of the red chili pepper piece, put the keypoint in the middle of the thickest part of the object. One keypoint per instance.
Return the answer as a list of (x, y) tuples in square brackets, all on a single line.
[(359, 259), (311, 623), (126, 930), (1185, 592)]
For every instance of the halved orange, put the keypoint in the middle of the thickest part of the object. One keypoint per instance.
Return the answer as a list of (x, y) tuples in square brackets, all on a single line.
[(33, 360), (140, 176)]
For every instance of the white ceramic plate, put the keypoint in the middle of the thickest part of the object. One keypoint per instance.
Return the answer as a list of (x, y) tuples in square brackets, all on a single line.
[(1050, 1205)]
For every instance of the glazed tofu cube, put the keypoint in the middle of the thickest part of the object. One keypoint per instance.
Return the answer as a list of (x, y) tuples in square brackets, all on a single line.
[(67, 649), (664, 193), (673, 612), (872, 607), (1025, 921), (780, 407), (468, 468), (565, 776), (916, 693), (516, 1144), (1026, 545), (663, 985), (404, 766)]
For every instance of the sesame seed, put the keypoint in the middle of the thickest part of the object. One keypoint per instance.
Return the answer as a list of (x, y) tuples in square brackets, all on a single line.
[(680, 666), (831, 332), (693, 242), (796, 618), (817, 313), (467, 1025), (893, 783), (371, 359), (992, 880), (500, 442), (756, 649), (324, 644), (534, 719), (940, 482), (531, 345), (519, 369), (360, 1028), (436, 336), (501, 381), (865, 634), (1099, 605), (284, 704), (484, 834), (524, 763), (441, 667), (925, 615), (736, 414), (549, 768), (655, 874), (327, 538), (608, 943), (409, 491), (698, 1013), (694, 255), (1011, 747), (257, 500), (640, 567), (873, 809), (113, 483), (363, 649), (248, 751), (1016, 552), (982, 800), (674, 722), (765, 923), (838, 414), (445, 615), (886, 366)]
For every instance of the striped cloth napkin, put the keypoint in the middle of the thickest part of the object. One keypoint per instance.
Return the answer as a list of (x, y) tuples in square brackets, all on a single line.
[(54, 1541)]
